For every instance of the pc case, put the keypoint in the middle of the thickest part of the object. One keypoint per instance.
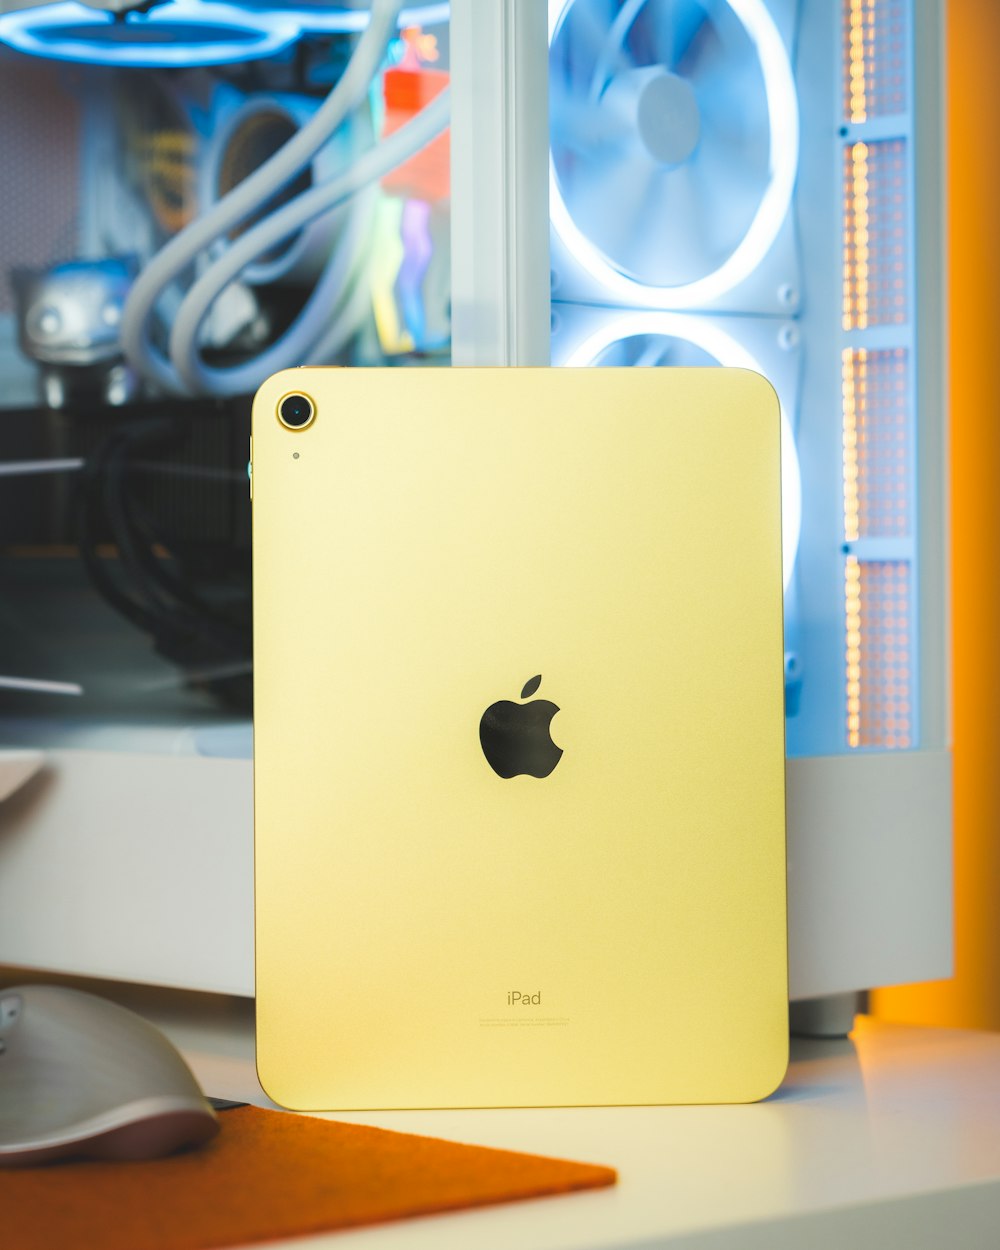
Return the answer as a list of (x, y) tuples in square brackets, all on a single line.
[(834, 112)]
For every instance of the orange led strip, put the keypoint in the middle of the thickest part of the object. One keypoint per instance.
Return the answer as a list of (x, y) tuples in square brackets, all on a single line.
[(852, 603), (857, 253), (861, 23), (854, 375)]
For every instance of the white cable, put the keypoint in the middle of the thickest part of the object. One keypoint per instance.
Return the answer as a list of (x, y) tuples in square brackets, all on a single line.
[(23, 468), (39, 686), (340, 275), (266, 234), (247, 196)]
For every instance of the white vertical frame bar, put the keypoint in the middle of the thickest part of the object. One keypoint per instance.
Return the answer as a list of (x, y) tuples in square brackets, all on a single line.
[(499, 182), (869, 833)]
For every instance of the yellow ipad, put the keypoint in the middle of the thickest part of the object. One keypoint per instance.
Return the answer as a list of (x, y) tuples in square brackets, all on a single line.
[(519, 737)]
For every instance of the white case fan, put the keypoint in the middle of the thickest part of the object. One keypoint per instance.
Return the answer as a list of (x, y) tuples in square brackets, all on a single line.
[(674, 153)]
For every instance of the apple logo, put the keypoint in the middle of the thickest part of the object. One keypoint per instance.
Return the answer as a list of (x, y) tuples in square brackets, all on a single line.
[(515, 736)]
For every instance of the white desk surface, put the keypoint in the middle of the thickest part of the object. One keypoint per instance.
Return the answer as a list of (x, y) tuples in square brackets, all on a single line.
[(889, 1140)]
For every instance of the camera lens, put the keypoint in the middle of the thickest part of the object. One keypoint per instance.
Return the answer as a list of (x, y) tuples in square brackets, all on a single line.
[(296, 411)]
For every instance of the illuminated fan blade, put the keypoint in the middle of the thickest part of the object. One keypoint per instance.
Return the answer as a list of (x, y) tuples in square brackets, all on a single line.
[(614, 55), (615, 200), (587, 128), (730, 75), (671, 34), (588, 44), (683, 352), (652, 353), (686, 227), (725, 217), (733, 110), (588, 190), (589, 186)]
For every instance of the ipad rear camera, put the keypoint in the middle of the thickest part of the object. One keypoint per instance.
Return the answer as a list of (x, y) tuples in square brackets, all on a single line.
[(295, 412)]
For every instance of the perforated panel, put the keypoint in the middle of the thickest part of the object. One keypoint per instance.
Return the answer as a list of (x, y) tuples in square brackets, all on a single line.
[(875, 234), (875, 48), (876, 386), (39, 195), (879, 653)]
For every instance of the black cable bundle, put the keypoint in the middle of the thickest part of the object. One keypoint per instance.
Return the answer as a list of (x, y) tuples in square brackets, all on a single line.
[(150, 583)]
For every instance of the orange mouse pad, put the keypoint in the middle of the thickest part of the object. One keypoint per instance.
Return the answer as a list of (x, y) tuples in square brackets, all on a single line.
[(269, 1175)]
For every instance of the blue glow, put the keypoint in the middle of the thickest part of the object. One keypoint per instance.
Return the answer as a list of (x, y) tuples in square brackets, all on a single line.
[(173, 35), (334, 21), (182, 33)]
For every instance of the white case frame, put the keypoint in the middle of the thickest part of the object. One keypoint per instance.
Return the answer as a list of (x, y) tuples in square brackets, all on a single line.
[(140, 867)]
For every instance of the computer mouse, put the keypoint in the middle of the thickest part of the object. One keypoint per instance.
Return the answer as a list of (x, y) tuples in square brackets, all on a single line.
[(83, 1078)]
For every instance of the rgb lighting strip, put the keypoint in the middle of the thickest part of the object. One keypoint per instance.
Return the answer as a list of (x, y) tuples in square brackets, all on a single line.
[(182, 34)]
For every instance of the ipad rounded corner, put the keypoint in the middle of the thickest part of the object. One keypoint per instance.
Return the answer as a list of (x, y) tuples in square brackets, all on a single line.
[(275, 1089), (762, 382), (771, 1075)]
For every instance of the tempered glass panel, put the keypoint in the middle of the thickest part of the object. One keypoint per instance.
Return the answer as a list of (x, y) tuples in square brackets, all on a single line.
[(124, 510)]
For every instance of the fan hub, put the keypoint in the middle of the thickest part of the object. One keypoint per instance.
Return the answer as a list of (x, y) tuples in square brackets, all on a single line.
[(667, 117)]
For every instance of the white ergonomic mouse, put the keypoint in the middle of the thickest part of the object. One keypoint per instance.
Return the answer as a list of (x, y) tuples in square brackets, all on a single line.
[(81, 1077)]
